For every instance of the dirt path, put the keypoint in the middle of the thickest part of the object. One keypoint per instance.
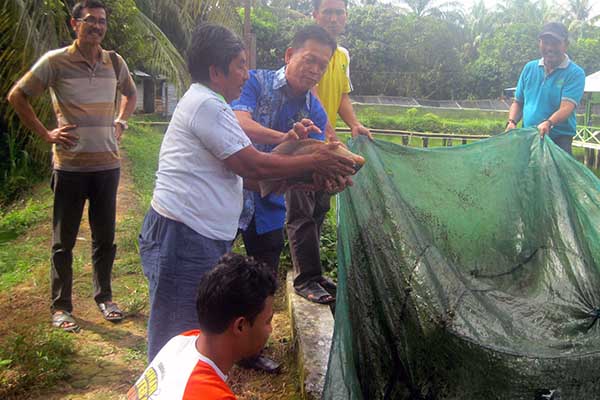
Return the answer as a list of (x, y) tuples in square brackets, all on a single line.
[(109, 357)]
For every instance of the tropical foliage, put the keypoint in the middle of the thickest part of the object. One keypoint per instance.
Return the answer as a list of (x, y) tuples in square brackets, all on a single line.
[(436, 49), (420, 48), (152, 35)]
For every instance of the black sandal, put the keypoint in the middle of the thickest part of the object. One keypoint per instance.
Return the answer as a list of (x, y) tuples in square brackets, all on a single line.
[(111, 311), (314, 292), (328, 285)]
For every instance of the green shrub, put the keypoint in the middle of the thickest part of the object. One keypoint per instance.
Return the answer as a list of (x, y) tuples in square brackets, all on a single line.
[(19, 219), (33, 360)]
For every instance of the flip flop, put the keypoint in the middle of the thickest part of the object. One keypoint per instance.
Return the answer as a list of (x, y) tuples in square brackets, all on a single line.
[(61, 319), (111, 311), (314, 292)]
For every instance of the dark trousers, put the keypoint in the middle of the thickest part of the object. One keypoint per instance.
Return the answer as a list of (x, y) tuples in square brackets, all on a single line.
[(564, 142), (264, 247), (306, 212), (71, 190)]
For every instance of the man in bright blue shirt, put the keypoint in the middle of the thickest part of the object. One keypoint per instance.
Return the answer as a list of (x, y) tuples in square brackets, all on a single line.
[(276, 106), (549, 89)]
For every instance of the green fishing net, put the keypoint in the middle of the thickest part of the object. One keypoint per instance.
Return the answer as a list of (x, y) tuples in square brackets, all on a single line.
[(468, 272)]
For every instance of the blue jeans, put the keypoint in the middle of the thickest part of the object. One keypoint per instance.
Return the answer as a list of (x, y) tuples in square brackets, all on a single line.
[(174, 258)]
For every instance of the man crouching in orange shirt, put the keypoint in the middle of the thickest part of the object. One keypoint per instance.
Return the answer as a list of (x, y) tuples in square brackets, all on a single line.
[(235, 308)]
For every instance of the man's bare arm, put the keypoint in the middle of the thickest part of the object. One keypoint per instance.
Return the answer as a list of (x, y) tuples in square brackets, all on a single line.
[(253, 164), (263, 135), (514, 115), (18, 99), (127, 108), (565, 110)]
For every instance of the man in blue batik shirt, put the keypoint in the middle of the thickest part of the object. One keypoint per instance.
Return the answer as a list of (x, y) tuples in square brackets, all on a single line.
[(276, 106), (549, 89)]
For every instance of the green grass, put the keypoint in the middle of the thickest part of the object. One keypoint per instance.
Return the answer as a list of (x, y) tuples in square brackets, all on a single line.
[(442, 113), (22, 216), (414, 119), (424, 119), (34, 359), (457, 114), (19, 254), (142, 144)]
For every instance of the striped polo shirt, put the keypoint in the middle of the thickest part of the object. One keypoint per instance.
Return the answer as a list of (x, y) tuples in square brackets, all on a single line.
[(82, 95)]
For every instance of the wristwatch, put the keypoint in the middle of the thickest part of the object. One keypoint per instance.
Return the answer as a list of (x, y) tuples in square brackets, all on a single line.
[(122, 122), (550, 122)]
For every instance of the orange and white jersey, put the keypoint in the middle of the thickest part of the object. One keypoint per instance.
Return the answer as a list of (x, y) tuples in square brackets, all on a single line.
[(179, 371)]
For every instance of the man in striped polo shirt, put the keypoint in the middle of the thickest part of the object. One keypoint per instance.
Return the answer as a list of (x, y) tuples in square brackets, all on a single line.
[(83, 79)]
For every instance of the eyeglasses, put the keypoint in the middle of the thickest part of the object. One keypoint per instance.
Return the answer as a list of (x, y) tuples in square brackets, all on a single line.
[(89, 20), (330, 12)]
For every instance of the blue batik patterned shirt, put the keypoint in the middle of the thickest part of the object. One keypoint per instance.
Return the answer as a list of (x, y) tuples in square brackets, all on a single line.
[(265, 98)]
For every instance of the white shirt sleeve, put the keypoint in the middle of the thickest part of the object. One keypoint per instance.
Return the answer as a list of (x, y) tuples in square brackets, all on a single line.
[(218, 129)]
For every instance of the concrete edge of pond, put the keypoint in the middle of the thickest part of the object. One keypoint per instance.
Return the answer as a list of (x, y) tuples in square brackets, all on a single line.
[(312, 330)]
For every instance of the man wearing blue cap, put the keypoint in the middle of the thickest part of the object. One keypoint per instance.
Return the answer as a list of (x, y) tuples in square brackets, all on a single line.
[(549, 89)]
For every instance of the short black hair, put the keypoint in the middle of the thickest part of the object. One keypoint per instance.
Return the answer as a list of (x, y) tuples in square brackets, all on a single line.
[(236, 287), (212, 44), (317, 4), (313, 32), (76, 12)]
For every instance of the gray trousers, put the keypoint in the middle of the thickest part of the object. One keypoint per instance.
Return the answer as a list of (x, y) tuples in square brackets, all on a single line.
[(71, 190), (306, 212), (564, 142)]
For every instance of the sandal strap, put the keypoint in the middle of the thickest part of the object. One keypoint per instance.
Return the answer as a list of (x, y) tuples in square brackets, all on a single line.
[(60, 317), (110, 308), (314, 289)]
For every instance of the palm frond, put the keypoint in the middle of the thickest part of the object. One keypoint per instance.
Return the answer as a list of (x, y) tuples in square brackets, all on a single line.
[(166, 59)]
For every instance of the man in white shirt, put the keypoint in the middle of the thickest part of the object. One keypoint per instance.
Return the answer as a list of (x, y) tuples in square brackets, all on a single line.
[(197, 199)]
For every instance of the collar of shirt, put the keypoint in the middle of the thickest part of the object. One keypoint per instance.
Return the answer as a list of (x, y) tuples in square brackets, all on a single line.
[(213, 365), (564, 64), (218, 95), (280, 82), (75, 55)]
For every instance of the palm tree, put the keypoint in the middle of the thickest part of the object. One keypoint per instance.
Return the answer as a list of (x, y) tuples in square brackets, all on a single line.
[(527, 11), (448, 10), (581, 19), (579, 9), (150, 34)]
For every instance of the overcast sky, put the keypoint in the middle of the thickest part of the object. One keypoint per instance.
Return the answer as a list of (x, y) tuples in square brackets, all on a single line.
[(491, 3)]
